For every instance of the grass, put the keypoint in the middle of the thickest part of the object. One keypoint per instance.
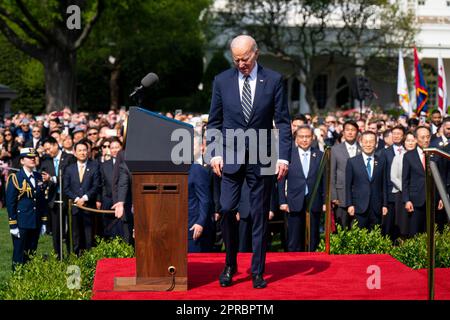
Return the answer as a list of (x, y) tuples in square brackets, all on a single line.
[(44, 247)]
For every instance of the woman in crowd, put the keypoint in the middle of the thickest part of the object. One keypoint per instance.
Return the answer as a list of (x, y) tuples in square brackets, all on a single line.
[(403, 218)]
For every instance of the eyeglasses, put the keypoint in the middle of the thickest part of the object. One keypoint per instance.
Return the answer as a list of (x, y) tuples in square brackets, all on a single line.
[(92, 134), (105, 146), (36, 131), (8, 134)]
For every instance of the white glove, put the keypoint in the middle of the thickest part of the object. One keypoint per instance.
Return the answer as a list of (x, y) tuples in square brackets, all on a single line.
[(15, 232), (43, 230)]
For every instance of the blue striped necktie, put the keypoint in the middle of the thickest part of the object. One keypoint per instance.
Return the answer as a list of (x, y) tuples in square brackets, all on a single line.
[(246, 100)]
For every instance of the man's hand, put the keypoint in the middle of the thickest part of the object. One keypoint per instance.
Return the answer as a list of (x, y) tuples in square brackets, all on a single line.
[(409, 207), (216, 216), (271, 215), (351, 211), (284, 207), (98, 205), (43, 230), (15, 232), (282, 170), (45, 176), (335, 202), (217, 166), (440, 205), (385, 211), (198, 229), (118, 210), (79, 202), (238, 216)]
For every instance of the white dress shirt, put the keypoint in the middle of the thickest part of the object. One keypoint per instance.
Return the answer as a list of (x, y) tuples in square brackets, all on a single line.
[(80, 166), (32, 179), (351, 149), (251, 81)]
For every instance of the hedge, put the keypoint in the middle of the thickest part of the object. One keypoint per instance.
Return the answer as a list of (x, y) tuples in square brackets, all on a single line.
[(47, 278)]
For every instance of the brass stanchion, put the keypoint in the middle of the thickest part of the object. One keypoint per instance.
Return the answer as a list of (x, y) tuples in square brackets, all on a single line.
[(328, 201), (69, 218), (430, 226)]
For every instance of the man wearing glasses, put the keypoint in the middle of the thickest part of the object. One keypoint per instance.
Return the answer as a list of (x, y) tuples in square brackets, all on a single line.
[(36, 141)]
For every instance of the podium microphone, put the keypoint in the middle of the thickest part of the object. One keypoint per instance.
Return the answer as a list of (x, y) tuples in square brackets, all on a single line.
[(146, 82)]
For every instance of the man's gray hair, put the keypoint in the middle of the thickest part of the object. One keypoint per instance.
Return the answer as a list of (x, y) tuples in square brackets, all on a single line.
[(240, 38)]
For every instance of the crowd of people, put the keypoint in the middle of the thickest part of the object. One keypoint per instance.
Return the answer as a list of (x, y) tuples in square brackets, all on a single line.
[(377, 177)]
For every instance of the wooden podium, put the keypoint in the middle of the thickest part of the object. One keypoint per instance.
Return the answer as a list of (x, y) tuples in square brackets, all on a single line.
[(160, 199)]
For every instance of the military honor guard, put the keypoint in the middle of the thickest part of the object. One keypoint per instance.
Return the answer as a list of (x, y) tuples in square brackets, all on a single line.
[(27, 207)]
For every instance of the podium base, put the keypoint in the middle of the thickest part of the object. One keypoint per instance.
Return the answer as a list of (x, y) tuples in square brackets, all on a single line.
[(149, 284)]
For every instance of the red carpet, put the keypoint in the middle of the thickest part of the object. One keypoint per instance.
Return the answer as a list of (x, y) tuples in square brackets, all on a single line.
[(290, 276)]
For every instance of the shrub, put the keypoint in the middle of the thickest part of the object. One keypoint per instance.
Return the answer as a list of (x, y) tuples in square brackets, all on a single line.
[(47, 278), (413, 252), (358, 241)]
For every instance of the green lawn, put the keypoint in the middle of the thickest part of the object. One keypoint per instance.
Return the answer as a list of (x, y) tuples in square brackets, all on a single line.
[(45, 247)]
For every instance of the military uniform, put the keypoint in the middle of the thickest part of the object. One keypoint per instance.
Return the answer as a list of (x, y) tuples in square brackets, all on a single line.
[(27, 211)]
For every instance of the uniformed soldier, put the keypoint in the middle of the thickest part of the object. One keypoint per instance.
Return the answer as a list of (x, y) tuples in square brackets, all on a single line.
[(27, 208)]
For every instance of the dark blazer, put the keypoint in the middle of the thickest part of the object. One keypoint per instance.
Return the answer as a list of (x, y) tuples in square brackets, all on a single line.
[(90, 185), (29, 143), (269, 103), (48, 166), (389, 154), (30, 210), (200, 199), (106, 174), (436, 142), (413, 179), (362, 192), (296, 182)]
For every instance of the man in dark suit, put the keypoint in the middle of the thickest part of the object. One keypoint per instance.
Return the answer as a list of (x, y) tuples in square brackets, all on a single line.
[(81, 184), (27, 207), (112, 227), (413, 181), (296, 188), (36, 141), (340, 153), (388, 224), (366, 185), (53, 166), (245, 101), (122, 196)]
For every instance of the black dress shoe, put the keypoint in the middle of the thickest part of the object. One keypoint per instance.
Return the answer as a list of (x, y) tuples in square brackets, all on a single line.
[(258, 281), (226, 277)]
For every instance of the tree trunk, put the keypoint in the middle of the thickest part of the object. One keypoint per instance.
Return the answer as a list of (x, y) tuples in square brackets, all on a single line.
[(60, 79), (114, 86)]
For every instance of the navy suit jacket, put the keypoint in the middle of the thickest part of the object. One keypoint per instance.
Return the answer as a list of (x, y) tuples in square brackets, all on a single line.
[(269, 103), (362, 191), (389, 154), (413, 179), (30, 211), (436, 142), (200, 199), (90, 185), (296, 182)]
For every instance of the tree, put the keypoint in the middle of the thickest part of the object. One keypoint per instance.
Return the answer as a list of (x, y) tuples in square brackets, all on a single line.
[(311, 35), (23, 74), (136, 37), (41, 30)]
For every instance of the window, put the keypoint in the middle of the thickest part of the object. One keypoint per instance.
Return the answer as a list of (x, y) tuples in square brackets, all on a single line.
[(421, 2), (430, 76), (320, 90)]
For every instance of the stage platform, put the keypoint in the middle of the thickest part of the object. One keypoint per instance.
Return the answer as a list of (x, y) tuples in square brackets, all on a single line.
[(290, 276)]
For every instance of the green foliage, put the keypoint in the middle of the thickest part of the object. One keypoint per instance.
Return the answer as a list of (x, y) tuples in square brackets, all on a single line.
[(144, 36), (24, 75), (411, 252), (47, 278), (358, 241)]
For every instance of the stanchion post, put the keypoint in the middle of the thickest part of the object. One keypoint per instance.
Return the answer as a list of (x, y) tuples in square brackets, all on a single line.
[(328, 201), (69, 218), (430, 225), (60, 216)]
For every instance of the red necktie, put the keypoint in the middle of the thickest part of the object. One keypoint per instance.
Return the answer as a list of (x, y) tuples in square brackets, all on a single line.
[(423, 160)]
